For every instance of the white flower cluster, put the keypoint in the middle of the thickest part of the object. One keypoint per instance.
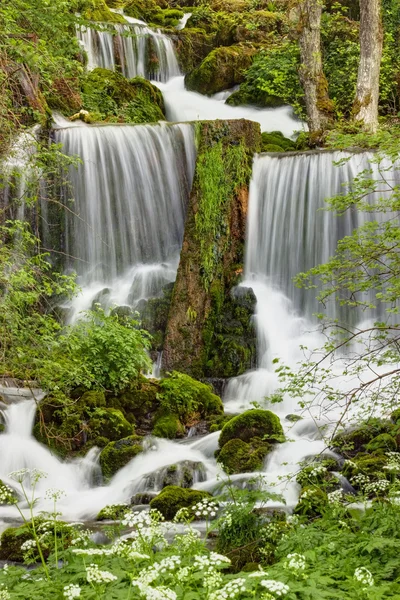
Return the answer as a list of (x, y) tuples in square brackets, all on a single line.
[(360, 480), (232, 589), (71, 591), (54, 494), (350, 463), (94, 575), (158, 593), (204, 562), (182, 515), (142, 520), (5, 594), (189, 539), (362, 575), (6, 494), (212, 579), (33, 474), (28, 545), (295, 562), (205, 509), (393, 464), (292, 519), (335, 497), (308, 493), (82, 538), (377, 486), (275, 587), (166, 565)]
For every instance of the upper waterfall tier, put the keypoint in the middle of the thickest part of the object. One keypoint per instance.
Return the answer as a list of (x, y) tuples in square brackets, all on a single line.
[(135, 48), (129, 197), (288, 233)]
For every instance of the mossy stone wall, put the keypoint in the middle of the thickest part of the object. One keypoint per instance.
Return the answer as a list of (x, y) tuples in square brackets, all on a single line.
[(212, 253)]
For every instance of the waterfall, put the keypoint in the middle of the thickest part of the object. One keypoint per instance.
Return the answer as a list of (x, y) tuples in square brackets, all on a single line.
[(288, 230), (288, 233), (133, 48), (124, 228)]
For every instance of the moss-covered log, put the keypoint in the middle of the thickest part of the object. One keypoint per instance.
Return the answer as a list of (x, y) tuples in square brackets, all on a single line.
[(212, 253)]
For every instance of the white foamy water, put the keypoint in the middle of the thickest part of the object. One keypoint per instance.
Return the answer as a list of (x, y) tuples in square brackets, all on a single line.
[(182, 105)]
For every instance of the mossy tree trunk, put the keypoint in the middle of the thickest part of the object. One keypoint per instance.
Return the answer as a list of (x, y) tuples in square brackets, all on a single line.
[(318, 105), (212, 253), (371, 43)]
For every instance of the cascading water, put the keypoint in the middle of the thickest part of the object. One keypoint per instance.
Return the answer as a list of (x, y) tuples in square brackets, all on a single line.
[(125, 225), (134, 48)]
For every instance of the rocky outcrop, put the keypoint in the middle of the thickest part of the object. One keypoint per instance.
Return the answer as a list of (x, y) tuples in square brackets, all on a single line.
[(212, 253)]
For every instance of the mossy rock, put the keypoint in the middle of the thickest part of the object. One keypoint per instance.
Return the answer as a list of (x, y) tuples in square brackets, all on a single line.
[(11, 541), (353, 441), (182, 474), (173, 498), (117, 454), (383, 442), (237, 456), (92, 399), (222, 69), (110, 96), (371, 465), (113, 512), (272, 141), (192, 46), (244, 95), (139, 403), (191, 400), (168, 426), (97, 10), (258, 423), (217, 423), (142, 9), (395, 416), (109, 423)]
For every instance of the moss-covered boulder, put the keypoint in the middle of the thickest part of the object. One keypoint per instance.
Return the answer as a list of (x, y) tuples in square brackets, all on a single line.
[(259, 423), (117, 454), (182, 474), (173, 498), (113, 512), (276, 142), (168, 426), (139, 404), (11, 541), (351, 442), (188, 398), (108, 95), (192, 46), (222, 69), (237, 456), (97, 10), (110, 423)]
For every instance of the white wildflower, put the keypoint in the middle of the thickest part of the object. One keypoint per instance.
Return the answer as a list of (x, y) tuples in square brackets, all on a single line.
[(205, 509), (362, 575), (158, 593), (232, 589), (54, 494), (95, 575), (335, 497), (295, 562), (275, 587), (71, 591), (5, 594), (28, 545)]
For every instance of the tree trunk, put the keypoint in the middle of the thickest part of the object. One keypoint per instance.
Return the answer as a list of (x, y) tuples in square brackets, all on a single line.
[(319, 107), (371, 41)]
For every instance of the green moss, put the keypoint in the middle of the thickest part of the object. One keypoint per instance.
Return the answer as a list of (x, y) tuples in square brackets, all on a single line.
[(185, 397), (117, 454), (221, 171), (113, 512), (11, 541), (108, 95), (253, 423), (173, 498), (395, 416), (272, 141), (168, 426), (192, 46), (142, 9), (222, 69), (350, 442), (92, 398), (97, 10), (371, 465), (383, 442), (110, 423), (237, 456)]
